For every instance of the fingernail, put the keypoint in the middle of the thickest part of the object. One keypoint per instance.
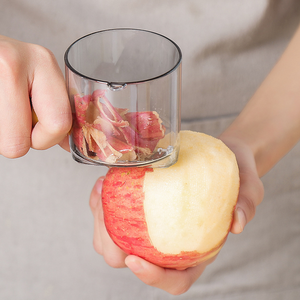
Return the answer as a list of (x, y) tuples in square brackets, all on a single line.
[(241, 218), (99, 185), (134, 265)]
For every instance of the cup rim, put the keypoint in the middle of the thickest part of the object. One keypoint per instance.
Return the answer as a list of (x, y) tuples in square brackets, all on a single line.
[(117, 83)]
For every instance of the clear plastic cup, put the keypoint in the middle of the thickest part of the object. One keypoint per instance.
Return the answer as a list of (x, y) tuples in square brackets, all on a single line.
[(125, 91)]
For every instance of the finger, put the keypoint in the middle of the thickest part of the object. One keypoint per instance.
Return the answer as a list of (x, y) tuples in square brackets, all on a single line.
[(172, 281), (97, 242), (251, 191), (63, 144), (250, 196), (95, 198), (50, 101), (103, 244), (15, 112)]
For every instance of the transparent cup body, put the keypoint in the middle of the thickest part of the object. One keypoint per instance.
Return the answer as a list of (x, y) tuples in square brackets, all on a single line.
[(124, 87)]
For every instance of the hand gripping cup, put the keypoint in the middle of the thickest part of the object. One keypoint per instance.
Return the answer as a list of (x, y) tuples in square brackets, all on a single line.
[(124, 87)]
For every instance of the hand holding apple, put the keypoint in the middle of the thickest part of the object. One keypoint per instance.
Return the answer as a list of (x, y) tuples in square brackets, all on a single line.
[(175, 217), (174, 281)]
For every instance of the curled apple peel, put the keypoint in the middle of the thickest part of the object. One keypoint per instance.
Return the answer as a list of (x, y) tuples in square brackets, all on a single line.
[(175, 217), (104, 132)]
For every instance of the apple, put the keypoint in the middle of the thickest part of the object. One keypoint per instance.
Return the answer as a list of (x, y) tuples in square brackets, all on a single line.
[(175, 217)]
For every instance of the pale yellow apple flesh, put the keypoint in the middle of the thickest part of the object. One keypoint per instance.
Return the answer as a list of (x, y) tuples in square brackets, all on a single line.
[(179, 216), (188, 206)]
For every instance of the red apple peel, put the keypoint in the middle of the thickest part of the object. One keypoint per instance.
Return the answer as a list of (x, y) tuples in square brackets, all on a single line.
[(104, 132)]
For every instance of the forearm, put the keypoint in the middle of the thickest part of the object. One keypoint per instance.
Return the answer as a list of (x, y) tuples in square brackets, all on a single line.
[(270, 122)]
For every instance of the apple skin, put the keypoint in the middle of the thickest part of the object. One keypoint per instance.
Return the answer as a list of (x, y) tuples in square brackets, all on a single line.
[(124, 217)]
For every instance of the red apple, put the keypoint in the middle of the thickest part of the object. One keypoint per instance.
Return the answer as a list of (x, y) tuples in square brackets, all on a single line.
[(175, 217)]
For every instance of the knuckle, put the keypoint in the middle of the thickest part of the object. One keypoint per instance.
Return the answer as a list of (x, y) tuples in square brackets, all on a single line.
[(44, 54), (60, 126), (10, 60)]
